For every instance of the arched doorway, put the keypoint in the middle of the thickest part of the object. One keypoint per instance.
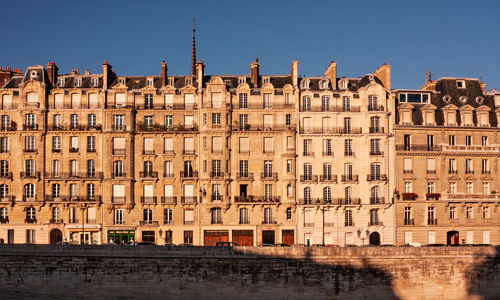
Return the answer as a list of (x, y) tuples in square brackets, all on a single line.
[(375, 238), (452, 238), (55, 236)]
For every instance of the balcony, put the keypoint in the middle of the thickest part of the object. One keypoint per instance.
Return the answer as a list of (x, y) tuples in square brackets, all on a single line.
[(6, 175), (73, 221), (350, 130), (116, 127), (29, 198), (169, 200), (216, 198), (168, 175), (376, 177), (148, 200), (472, 197), (270, 127), (176, 106), (217, 175), (269, 176), (257, 199), (351, 108), (188, 152), (328, 153), (377, 200), (73, 150), (461, 148), (432, 196), (328, 178), (409, 196), (118, 199), (166, 128), (469, 172), (376, 152), (4, 220), (168, 152), (30, 220), (119, 151), (330, 130), (188, 222), (148, 223), (73, 106), (308, 224), (407, 171), (431, 171), (375, 108), (149, 174), (308, 178), (27, 150), (452, 171), (74, 127), (348, 201), (348, 153), (432, 221), (417, 148), (376, 130), (317, 201), (189, 175), (148, 152), (308, 153), (118, 175), (188, 200), (59, 198), (56, 221), (74, 175), (258, 106), (349, 178), (30, 127), (27, 175), (375, 223), (269, 222), (7, 198), (91, 150), (244, 175), (485, 172), (409, 221)]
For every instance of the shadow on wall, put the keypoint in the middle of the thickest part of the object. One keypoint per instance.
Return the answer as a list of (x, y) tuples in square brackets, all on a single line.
[(66, 271)]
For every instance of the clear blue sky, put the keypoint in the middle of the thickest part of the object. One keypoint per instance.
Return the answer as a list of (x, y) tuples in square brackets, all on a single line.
[(451, 38)]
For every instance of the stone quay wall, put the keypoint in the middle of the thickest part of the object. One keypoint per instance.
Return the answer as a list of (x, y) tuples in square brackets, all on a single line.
[(132, 272)]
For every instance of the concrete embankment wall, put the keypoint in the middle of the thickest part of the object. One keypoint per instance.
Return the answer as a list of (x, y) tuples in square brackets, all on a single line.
[(130, 272)]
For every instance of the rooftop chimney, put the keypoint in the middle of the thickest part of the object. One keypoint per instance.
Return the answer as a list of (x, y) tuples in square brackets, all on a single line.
[(106, 70), (164, 74), (254, 72), (52, 72), (294, 73), (87, 71), (483, 86), (200, 72), (384, 74), (331, 73)]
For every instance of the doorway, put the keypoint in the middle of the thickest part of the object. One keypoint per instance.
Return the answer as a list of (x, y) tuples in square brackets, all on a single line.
[(268, 237), (243, 190), (55, 236), (452, 238), (375, 238)]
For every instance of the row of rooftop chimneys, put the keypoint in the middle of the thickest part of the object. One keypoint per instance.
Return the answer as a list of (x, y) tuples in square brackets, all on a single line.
[(383, 73)]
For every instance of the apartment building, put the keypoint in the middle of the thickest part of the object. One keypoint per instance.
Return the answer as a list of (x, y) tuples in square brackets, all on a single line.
[(344, 164), (447, 161)]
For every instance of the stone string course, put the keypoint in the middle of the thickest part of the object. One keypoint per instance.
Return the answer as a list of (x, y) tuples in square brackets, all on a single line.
[(143, 272)]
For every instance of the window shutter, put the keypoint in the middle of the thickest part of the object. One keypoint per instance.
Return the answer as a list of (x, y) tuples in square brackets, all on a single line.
[(244, 144), (148, 144), (268, 121), (327, 123), (307, 123), (451, 118), (148, 190), (188, 120), (169, 190), (431, 237), (189, 144), (120, 99), (268, 144), (169, 100), (189, 215), (74, 142), (188, 100), (188, 190), (216, 100), (407, 164), (58, 100), (75, 100), (119, 190), (216, 143), (468, 119), (93, 100), (91, 213), (7, 101), (431, 164), (484, 119), (32, 97), (406, 117), (118, 143), (169, 144)]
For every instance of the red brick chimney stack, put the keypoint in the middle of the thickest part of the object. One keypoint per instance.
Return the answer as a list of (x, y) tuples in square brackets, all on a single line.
[(164, 70), (52, 71), (254, 72)]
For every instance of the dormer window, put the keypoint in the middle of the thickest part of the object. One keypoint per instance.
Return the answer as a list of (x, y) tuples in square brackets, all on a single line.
[(171, 81), (342, 84), (188, 81), (324, 84), (461, 84), (78, 81), (60, 82), (242, 80), (33, 74), (414, 97), (227, 81), (265, 80), (305, 84), (122, 81), (95, 81), (149, 82)]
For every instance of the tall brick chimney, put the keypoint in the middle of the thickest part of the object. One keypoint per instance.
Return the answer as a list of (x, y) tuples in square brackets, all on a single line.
[(294, 73), (254, 72), (384, 74), (164, 70), (52, 72), (331, 73), (106, 69), (200, 72)]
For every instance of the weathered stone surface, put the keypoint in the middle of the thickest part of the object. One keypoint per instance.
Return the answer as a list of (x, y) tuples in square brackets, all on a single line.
[(45, 271)]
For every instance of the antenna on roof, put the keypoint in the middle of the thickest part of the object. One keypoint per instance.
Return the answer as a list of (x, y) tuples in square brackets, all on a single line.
[(193, 54)]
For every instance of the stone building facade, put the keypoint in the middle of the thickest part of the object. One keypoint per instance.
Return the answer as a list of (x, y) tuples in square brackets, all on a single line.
[(254, 159), (447, 156)]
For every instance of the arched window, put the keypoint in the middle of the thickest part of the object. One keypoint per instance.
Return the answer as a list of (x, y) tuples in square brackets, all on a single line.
[(289, 191), (29, 192), (216, 213), (348, 195), (244, 216), (307, 195), (374, 217), (327, 195), (374, 195)]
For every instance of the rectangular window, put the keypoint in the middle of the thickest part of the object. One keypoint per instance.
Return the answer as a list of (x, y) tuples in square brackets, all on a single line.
[(469, 212), (91, 144), (348, 218), (148, 101), (30, 143), (469, 188), (216, 118), (267, 101), (168, 216), (430, 216), (288, 119), (485, 166), (468, 140), (288, 165), (327, 147), (453, 212), (30, 236), (243, 101), (408, 187), (188, 217), (348, 148), (375, 147), (244, 145), (451, 140), (484, 140), (268, 145), (408, 166), (56, 144)]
